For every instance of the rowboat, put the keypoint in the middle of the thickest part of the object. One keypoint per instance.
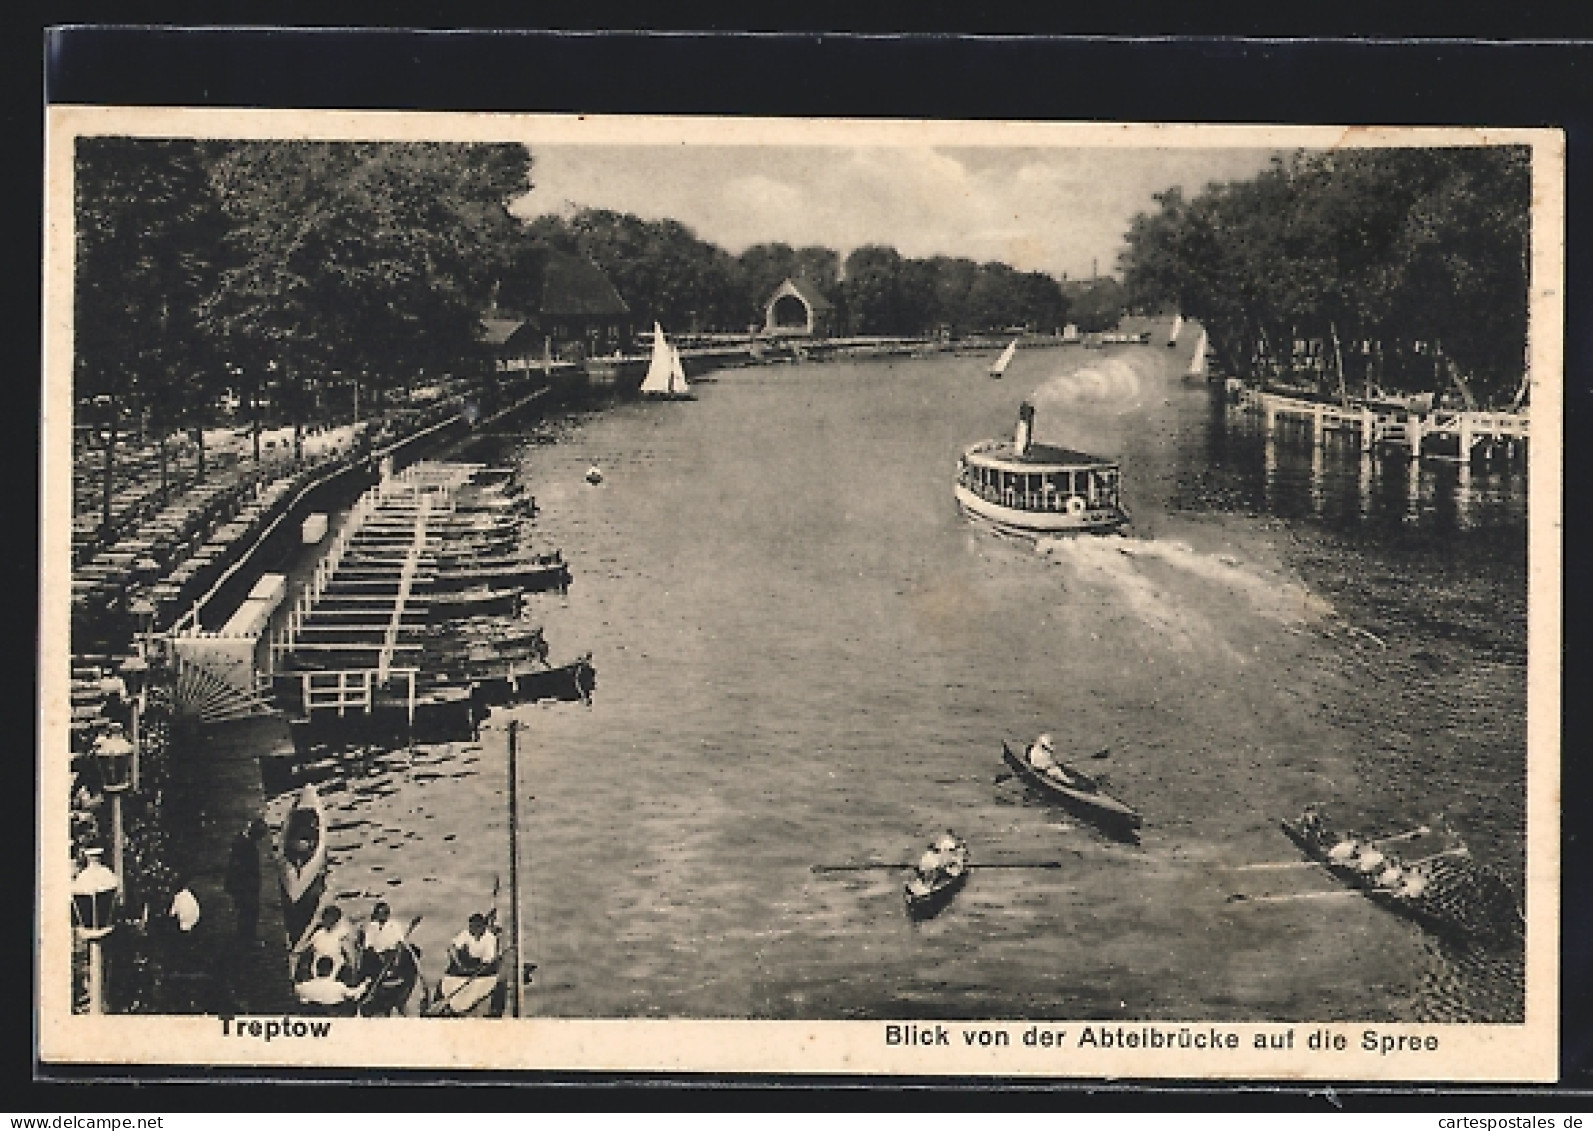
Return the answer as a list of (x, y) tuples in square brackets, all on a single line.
[(1446, 892), (480, 601), (925, 894), (523, 681), (1078, 793), (302, 851), (532, 574)]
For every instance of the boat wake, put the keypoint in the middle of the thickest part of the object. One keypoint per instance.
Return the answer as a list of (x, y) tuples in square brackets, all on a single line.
[(1180, 605)]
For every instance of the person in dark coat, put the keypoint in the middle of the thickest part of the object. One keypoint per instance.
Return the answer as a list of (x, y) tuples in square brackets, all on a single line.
[(243, 878)]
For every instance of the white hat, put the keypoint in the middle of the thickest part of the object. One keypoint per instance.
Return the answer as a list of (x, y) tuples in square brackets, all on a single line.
[(1044, 741)]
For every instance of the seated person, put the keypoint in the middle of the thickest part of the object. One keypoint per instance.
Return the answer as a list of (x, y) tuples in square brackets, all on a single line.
[(324, 991), (931, 862), (333, 938), (1042, 755), (380, 939), (474, 950)]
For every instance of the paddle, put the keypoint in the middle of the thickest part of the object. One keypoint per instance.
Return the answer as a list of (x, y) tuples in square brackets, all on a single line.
[(822, 868), (491, 917), (387, 964), (1005, 775)]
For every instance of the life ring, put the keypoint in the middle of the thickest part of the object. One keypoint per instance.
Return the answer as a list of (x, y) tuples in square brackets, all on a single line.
[(1075, 505)]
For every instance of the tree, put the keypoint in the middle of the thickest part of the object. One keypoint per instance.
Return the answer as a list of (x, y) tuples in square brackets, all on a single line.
[(147, 231), (367, 258), (1386, 247), (872, 290)]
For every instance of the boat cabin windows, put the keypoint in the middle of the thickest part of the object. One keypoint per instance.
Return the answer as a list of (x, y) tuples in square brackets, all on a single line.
[(1048, 490)]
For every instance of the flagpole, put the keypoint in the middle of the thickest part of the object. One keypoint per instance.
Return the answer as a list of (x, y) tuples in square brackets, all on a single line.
[(514, 870)]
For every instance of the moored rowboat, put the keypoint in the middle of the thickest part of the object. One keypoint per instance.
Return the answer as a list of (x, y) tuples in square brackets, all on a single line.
[(302, 852)]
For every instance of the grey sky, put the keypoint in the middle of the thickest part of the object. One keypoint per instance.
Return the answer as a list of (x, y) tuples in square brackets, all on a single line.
[(1050, 209)]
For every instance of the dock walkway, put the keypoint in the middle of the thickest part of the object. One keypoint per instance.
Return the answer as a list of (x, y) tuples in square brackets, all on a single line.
[(216, 791), (1392, 428)]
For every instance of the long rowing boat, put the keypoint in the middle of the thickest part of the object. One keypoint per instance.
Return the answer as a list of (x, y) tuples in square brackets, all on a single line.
[(1446, 892), (1077, 792)]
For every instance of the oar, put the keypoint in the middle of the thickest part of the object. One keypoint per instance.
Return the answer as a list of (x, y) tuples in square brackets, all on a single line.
[(1004, 775), (387, 964), (491, 917), (1414, 834), (821, 868)]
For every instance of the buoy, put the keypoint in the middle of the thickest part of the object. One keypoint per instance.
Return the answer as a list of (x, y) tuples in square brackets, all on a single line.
[(594, 475)]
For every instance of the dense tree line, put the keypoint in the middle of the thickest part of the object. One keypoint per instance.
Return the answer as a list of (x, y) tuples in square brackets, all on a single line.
[(287, 270), (664, 272), (204, 267), (1397, 268)]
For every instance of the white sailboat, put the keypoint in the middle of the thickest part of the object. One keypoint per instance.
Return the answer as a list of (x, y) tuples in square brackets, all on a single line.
[(678, 387), (666, 378), (1197, 361), (1001, 363)]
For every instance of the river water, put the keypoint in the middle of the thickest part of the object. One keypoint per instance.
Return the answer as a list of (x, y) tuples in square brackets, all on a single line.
[(806, 656)]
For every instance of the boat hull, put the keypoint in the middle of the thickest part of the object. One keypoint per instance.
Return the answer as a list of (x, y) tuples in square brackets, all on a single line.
[(392, 987), (530, 576), (1434, 914), (1090, 520), (473, 603), (303, 873), (927, 901), (1104, 811)]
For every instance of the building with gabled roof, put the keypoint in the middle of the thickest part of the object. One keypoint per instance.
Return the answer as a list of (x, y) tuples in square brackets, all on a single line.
[(797, 307), (556, 305)]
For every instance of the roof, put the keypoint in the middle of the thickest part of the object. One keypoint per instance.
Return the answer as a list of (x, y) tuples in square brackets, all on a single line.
[(806, 291), (555, 284), (1039, 457), (574, 286), (496, 331)]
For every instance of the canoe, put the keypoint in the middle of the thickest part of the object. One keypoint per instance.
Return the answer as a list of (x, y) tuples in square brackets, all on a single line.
[(471, 995), (1456, 896), (1079, 793), (302, 852), (926, 896)]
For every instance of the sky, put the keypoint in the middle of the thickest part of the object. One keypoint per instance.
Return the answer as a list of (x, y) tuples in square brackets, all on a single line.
[(1059, 210)]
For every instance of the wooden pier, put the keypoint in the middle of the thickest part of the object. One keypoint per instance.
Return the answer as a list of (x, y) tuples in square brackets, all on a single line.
[(1400, 430), (355, 635)]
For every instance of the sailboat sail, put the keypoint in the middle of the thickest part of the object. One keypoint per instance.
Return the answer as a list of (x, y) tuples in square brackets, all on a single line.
[(1197, 363), (677, 373), (1005, 359), (658, 372)]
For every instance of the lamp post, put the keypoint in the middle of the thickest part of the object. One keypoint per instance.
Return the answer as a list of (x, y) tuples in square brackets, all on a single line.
[(135, 673), (114, 756), (94, 893)]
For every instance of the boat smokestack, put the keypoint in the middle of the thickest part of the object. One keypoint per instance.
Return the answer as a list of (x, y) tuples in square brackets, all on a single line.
[(1024, 436)]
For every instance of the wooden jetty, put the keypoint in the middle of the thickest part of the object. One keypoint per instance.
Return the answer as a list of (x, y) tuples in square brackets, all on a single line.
[(1394, 428), (367, 651)]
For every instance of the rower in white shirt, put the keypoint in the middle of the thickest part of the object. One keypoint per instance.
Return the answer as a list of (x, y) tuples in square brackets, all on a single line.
[(474, 950)]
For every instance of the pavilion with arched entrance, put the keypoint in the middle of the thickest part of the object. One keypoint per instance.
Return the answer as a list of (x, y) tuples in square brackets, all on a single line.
[(797, 308)]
